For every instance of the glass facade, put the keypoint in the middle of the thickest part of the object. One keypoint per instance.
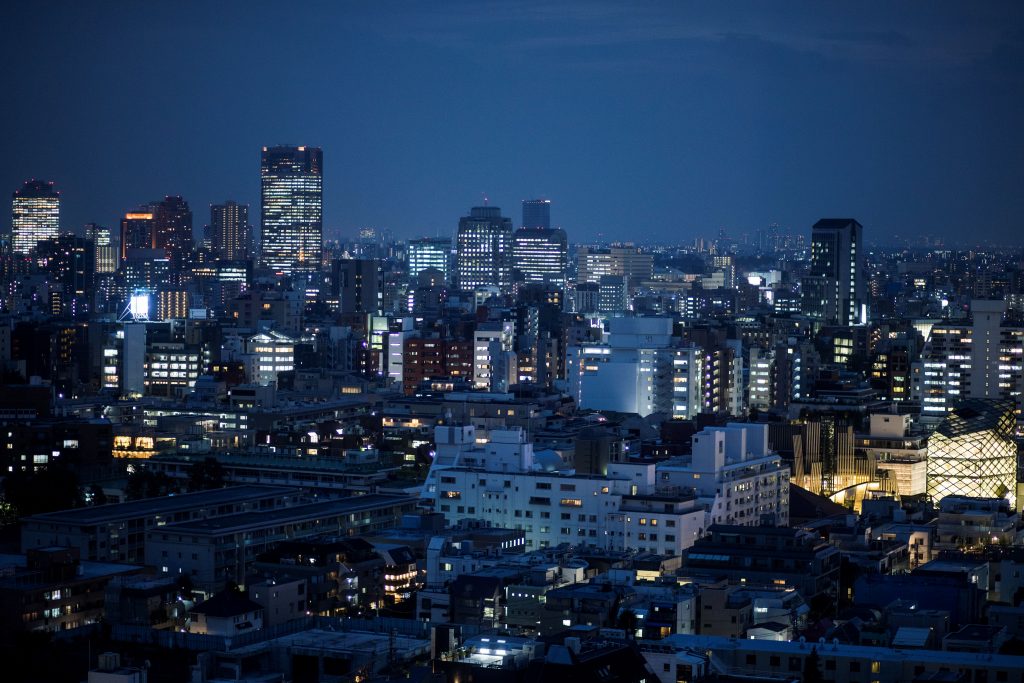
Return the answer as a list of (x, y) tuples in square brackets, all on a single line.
[(429, 252), (541, 255), (972, 453), (292, 209), (35, 216), (485, 249)]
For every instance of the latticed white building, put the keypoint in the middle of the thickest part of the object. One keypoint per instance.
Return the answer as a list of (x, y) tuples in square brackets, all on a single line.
[(972, 453)]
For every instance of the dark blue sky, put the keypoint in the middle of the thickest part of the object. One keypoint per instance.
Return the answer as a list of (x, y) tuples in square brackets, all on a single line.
[(640, 121)]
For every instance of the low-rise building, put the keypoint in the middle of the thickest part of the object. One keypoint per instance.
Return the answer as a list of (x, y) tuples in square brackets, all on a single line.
[(218, 550)]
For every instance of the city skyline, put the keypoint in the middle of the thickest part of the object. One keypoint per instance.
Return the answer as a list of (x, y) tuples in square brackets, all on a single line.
[(671, 121)]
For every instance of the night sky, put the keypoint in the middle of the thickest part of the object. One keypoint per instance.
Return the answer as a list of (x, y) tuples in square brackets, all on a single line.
[(659, 121)]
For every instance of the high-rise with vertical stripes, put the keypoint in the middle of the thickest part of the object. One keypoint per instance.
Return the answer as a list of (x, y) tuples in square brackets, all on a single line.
[(291, 240), (35, 216)]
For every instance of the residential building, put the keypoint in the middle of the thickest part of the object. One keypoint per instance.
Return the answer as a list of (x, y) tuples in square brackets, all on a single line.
[(737, 478), (230, 232), (981, 358), (505, 483), (116, 532), (766, 556), (217, 550)]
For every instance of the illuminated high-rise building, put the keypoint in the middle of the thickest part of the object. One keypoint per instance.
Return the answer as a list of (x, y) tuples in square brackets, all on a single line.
[(291, 239), (537, 213), (172, 228), (230, 230), (137, 230), (541, 255), (103, 246), (35, 216), (594, 263), (429, 252), (978, 358), (484, 250), (835, 290)]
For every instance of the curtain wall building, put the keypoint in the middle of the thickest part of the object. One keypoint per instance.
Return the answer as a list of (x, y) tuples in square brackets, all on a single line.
[(835, 291), (291, 209), (429, 252), (541, 255), (484, 250), (537, 213), (35, 216), (972, 453)]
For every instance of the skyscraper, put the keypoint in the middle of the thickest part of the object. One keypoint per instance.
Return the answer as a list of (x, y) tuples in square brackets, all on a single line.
[(230, 230), (356, 284), (541, 255), (835, 290), (137, 230), (484, 250), (103, 247), (35, 216), (172, 228), (537, 213), (429, 252), (980, 358), (291, 208)]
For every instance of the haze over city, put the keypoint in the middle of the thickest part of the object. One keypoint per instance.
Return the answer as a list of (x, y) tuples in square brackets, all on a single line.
[(512, 342), (657, 121)]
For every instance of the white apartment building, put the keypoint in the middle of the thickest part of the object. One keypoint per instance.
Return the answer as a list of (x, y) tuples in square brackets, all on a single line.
[(630, 371), (267, 354), (737, 478), (759, 379), (503, 482), (980, 358), (494, 363)]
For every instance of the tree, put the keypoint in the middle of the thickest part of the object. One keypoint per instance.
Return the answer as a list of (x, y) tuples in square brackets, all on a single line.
[(205, 475), (812, 668), (53, 488), (99, 496), (143, 483)]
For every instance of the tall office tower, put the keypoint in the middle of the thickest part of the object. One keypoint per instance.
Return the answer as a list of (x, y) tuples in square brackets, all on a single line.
[(537, 213), (137, 230), (291, 209), (835, 291), (172, 228), (356, 284), (103, 246), (727, 265), (230, 230), (35, 216), (70, 263), (628, 261), (982, 359), (429, 252), (484, 250), (541, 255)]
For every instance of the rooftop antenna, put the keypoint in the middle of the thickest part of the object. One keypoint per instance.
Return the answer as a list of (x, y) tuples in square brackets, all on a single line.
[(486, 199)]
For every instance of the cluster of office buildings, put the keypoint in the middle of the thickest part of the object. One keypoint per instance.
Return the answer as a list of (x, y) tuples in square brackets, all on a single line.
[(505, 456)]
